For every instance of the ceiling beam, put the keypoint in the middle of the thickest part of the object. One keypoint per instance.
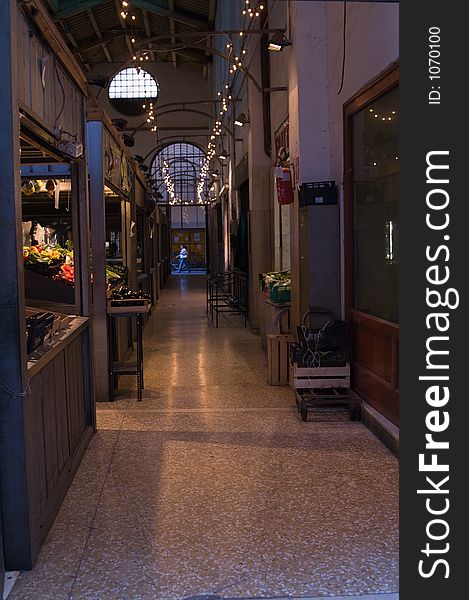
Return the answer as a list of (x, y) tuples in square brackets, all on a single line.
[(211, 22), (173, 36), (212, 12), (92, 44), (123, 24), (73, 42), (73, 7), (180, 17), (129, 45), (99, 35), (109, 36), (54, 5), (69, 8), (146, 24)]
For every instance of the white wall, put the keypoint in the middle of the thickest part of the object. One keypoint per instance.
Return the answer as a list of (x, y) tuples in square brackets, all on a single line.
[(311, 68), (184, 84), (372, 44)]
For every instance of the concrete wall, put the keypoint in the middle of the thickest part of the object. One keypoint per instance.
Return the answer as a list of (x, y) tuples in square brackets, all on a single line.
[(311, 68)]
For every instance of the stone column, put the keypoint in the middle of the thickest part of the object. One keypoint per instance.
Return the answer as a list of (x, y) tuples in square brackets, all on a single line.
[(309, 123), (260, 196)]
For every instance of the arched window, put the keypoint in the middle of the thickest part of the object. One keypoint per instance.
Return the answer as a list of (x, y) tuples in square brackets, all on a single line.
[(130, 89), (177, 170)]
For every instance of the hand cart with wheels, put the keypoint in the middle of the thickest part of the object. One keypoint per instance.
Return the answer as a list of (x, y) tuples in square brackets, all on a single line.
[(323, 390)]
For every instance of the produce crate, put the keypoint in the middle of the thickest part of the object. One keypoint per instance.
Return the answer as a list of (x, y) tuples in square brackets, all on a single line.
[(320, 377), (128, 306), (277, 359), (280, 293)]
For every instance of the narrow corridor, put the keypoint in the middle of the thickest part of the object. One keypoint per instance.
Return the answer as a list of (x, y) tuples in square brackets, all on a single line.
[(214, 488)]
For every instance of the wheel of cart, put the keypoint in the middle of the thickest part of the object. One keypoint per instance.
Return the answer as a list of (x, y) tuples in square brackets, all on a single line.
[(328, 403), (322, 389)]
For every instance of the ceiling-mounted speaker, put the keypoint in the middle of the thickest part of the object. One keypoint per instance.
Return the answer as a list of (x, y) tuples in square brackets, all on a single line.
[(129, 140), (102, 82), (119, 123)]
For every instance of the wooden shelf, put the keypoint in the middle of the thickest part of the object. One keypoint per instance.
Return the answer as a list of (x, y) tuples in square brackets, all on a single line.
[(128, 310)]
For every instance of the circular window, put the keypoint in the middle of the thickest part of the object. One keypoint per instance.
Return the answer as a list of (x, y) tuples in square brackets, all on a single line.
[(130, 89)]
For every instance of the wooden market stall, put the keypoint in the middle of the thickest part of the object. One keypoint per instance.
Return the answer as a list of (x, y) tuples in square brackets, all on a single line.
[(152, 248), (145, 239), (120, 234), (46, 390)]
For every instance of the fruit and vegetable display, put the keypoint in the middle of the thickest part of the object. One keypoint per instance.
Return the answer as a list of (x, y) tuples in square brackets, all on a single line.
[(56, 262), (115, 275), (276, 285), (51, 261), (124, 296)]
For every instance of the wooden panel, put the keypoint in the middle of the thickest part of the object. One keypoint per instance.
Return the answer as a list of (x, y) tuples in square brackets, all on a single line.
[(56, 43), (75, 392), (23, 61), (49, 427), (374, 351), (47, 101), (55, 412), (375, 363), (61, 413), (122, 331), (37, 482), (377, 393)]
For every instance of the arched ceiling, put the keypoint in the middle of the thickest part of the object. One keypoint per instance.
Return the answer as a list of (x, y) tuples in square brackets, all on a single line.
[(96, 33)]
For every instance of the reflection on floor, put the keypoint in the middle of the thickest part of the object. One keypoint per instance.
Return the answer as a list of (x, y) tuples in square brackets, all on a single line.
[(214, 488)]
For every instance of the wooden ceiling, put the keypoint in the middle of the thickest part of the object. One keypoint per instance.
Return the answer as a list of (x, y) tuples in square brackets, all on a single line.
[(173, 31)]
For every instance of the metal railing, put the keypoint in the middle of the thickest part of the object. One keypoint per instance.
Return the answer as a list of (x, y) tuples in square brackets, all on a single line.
[(227, 293)]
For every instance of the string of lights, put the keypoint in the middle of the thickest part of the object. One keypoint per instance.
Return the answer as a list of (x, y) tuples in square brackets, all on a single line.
[(250, 12), (150, 116), (126, 10), (388, 117), (169, 183)]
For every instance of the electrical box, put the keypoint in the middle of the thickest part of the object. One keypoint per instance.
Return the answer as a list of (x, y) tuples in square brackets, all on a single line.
[(319, 257)]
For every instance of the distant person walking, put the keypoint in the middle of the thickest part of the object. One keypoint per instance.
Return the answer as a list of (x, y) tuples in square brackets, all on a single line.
[(183, 256)]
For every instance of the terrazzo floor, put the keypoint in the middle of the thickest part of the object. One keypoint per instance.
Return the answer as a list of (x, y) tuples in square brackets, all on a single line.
[(213, 488)]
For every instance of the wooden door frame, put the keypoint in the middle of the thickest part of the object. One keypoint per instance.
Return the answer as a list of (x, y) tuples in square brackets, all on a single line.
[(385, 82), (376, 88)]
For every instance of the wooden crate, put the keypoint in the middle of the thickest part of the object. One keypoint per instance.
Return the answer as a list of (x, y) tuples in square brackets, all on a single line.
[(278, 350), (321, 377), (120, 307)]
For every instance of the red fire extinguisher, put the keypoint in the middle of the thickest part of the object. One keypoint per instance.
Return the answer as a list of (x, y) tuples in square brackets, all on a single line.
[(283, 178)]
